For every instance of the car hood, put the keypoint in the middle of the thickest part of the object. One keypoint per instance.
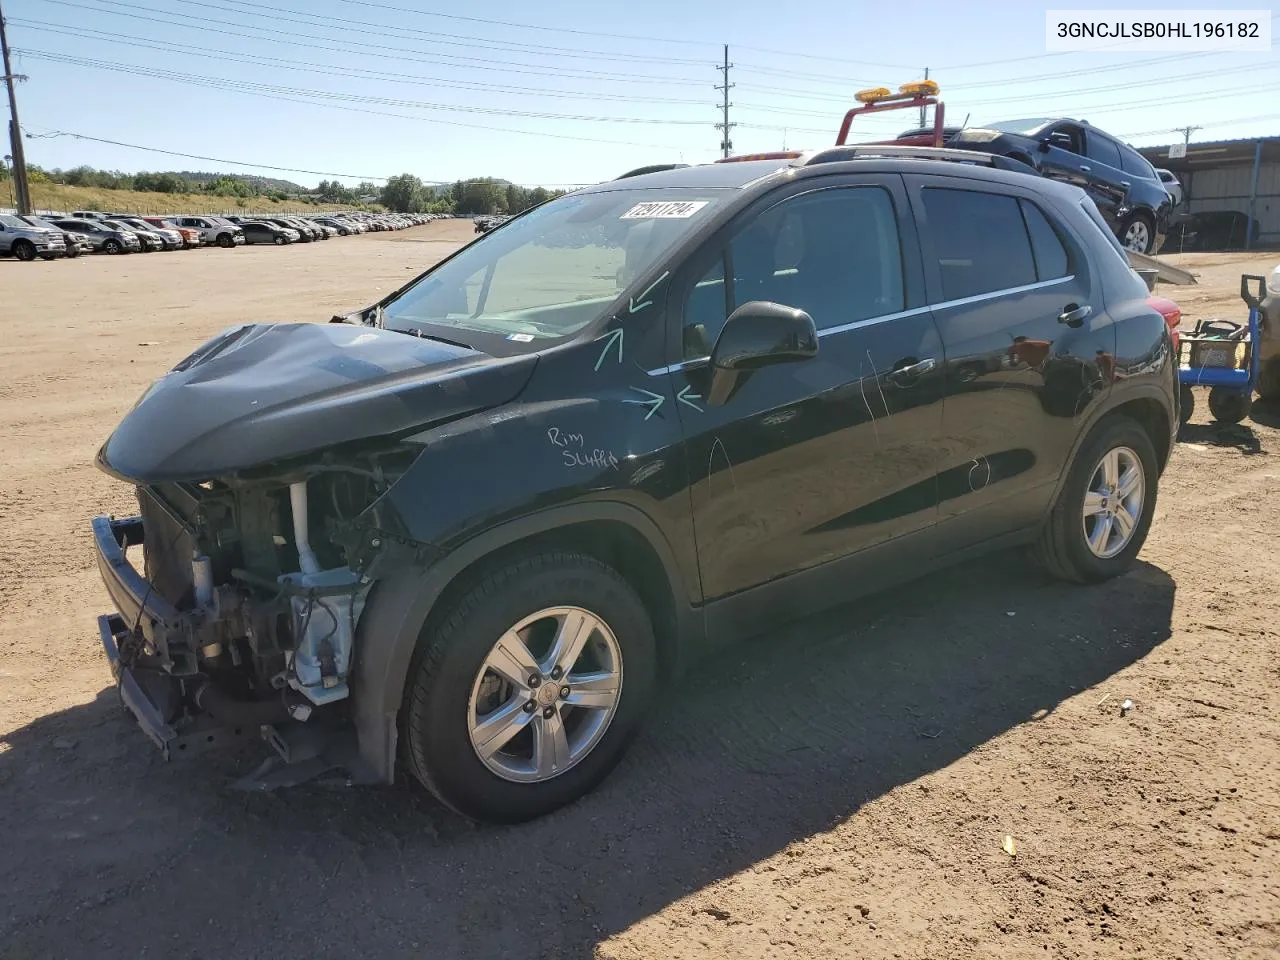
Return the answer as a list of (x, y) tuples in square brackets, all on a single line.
[(267, 392)]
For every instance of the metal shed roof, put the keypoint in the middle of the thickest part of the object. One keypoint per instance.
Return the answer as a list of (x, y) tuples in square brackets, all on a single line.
[(1219, 153)]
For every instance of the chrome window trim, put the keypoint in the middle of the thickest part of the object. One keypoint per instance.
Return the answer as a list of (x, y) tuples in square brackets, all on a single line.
[(885, 318)]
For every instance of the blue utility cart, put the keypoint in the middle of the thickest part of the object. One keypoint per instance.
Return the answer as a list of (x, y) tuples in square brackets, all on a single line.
[(1223, 356)]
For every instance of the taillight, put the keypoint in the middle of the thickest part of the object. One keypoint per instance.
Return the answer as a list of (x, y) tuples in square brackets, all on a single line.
[(1172, 314)]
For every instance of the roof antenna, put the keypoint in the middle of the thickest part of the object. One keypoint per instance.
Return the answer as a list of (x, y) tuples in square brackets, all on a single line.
[(966, 121)]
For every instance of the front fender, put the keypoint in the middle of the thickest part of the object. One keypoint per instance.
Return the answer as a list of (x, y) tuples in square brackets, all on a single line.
[(398, 607)]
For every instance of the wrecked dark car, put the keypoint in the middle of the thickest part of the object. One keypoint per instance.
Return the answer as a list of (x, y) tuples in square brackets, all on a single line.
[(468, 530)]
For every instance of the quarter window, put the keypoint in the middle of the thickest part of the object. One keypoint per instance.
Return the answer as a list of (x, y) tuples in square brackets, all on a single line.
[(1051, 257), (980, 241), (1134, 163), (834, 253)]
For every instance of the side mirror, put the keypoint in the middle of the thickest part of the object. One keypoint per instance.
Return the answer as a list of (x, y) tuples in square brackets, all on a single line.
[(1045, 144), (758, 334)]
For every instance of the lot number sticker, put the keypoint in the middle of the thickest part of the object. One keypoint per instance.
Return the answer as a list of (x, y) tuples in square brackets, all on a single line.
[(664, 210)]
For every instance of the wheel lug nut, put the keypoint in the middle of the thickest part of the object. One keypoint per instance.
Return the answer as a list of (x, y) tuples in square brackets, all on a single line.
[(564, 693), (547, 712), (534, 681), (530, 706), (556, 673)]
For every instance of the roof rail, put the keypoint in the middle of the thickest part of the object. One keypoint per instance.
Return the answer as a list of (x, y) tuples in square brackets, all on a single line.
[(837, 154), (652, 168)]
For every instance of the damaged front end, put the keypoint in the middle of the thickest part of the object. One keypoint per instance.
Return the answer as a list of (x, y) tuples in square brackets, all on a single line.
[(244, 615), (253, 461)]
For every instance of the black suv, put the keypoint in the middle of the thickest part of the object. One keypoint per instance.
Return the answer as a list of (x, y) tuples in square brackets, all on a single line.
[(1125, 187), (474, 525)]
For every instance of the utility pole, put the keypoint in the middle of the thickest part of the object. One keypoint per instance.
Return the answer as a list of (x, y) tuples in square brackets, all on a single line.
[(926, 76), (725, 126), (1186, 133), (15, 131)]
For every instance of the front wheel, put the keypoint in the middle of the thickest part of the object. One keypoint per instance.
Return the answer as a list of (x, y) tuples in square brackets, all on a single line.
[(24, 250), (49, 256), (224, 240), (527, 690), (281, 241), (111, 246), (1104, 509), (1138, 234)]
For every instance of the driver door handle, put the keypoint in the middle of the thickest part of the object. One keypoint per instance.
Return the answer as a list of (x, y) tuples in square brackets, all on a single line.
[(910, 370), (1085, 168), (1073, 314)]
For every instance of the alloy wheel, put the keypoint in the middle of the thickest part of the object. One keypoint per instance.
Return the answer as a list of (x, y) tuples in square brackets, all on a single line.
[(545, 694), (1113, 502), (1137, 237)]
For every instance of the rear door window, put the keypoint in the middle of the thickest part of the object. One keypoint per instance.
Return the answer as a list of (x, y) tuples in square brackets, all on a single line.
[(980, 241), (1103, 150)]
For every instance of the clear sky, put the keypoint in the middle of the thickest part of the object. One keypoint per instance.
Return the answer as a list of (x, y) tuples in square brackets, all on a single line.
[(565, 91)]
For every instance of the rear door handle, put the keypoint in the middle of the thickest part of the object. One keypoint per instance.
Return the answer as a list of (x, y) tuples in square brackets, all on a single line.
[(908, 370), (1073, 314), (1085, 168)]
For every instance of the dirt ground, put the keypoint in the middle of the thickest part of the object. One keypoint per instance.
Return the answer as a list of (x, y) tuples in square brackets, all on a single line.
[(840, 789)]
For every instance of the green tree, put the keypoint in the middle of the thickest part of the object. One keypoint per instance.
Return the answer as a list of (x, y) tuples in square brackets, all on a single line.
[(404, 194)]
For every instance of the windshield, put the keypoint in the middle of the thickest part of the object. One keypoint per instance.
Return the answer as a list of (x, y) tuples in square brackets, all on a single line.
[(14, 222), (40, 222), (1027, 127), (556, 269)]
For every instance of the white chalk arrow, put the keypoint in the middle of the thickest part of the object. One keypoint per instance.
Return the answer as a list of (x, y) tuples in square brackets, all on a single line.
[(654, 403), (687, 398), (637, 307), (610, 338)]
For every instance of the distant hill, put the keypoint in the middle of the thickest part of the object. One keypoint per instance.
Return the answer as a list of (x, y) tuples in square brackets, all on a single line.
[(262, 184)]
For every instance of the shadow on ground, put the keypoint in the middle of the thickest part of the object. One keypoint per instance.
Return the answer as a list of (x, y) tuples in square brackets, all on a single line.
[(109, 851)]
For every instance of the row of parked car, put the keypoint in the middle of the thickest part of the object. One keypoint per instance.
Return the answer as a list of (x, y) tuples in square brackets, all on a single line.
[(50, 236)]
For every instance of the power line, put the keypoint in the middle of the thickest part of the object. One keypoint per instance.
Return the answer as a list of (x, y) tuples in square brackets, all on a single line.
[(229, 86), (196, 156), (206, 25), (259, 166), (161, 74), (355, 72), (452, 39)]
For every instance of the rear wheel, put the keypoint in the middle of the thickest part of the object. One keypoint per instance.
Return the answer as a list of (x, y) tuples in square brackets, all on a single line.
[(1138, 233), (1269, 380), (24, 250), (1104, 509), (1229, 406), (529, 688)]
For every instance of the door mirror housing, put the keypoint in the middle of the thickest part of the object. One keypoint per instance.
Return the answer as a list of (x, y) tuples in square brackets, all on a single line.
[(758, 334)]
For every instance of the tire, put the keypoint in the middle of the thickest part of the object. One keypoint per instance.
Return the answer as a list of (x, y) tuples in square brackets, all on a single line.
[(1138, 233), (225, 241), (448, 682), (24, 250), (1063, 549), (112, 246), (1186, 405), (50, 256), (281, 241), (1229, 406), (1269, 380), (73, 252)]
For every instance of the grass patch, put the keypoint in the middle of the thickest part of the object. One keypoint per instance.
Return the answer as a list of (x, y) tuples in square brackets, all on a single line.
[(63, 199)]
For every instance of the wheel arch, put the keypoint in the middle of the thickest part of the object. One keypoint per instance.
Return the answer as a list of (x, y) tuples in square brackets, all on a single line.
[(402, 605), (1148, 405)]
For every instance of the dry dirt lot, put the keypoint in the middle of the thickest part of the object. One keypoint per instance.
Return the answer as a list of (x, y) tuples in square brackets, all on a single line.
[(842, 788)]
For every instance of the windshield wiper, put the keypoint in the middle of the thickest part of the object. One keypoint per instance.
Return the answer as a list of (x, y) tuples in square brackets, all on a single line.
[(430, 336)]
